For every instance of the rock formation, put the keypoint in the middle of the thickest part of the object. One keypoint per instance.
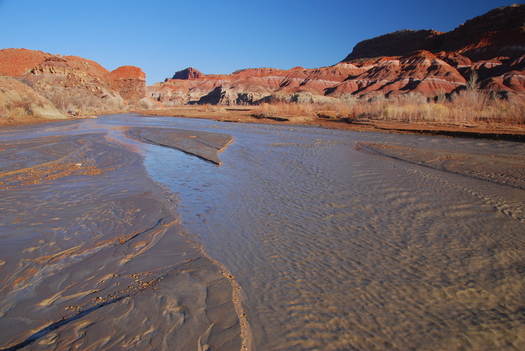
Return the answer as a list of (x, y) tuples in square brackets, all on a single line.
[(432, 64), (189, 73), (73, 84), (425, 62), (129, 81), (395, 44)]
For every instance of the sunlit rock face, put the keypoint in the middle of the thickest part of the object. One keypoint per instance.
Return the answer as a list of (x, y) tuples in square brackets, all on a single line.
[(129, 81), (74, 84)]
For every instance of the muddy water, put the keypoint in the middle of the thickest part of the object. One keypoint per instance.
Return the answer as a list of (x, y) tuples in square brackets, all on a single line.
[(338, 246), (352, 241)]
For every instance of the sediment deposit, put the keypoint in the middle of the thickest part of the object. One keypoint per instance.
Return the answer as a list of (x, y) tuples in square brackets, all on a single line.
[(201, 144), (93, 256)]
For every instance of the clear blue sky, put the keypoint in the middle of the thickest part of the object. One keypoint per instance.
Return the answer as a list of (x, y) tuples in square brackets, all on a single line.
[(165, 36)]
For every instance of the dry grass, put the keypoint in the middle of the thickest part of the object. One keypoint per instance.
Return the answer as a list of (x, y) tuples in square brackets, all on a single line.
[(83, 102), (283, 109), (472, 106)]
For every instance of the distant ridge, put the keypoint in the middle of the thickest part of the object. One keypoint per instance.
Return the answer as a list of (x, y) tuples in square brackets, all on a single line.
[(424, 62)]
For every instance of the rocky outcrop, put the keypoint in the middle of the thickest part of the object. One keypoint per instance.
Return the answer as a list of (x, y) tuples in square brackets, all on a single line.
[(20, 103), (424, 62), (421, 72), (189, 73), (129, 82), (395, 44), (499, 32), (253, 86), (73, 84), (16, 62)]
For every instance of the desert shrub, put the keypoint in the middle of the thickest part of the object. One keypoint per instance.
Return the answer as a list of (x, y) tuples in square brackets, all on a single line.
[(147, 103), (82, 102)]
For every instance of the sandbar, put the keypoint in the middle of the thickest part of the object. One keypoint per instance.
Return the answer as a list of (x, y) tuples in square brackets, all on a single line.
[(201, 144)]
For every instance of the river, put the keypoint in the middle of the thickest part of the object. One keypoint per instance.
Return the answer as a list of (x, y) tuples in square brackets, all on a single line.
[(337, 240), (339, 248)]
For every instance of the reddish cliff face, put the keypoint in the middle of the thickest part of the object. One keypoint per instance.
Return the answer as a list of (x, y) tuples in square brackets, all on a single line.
[(395, 44), (129, 81), (424, 62), (499, 32), (421, 72), (188, 73), (74, 84)]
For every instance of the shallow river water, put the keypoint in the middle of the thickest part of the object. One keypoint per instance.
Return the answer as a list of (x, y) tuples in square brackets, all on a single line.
[(354, 241), (340, 248)]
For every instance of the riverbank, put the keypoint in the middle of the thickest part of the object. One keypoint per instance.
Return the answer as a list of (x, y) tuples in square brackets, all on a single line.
[(492, 131), (93, 254)]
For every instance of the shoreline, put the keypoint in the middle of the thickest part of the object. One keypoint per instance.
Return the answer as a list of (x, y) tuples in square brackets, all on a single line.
[(99, 246), (243, 115)]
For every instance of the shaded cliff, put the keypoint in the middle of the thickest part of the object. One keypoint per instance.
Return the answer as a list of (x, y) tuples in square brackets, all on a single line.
[(500, 32)]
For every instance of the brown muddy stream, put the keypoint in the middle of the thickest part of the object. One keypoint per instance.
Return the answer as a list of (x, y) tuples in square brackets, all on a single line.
[(356, 241)]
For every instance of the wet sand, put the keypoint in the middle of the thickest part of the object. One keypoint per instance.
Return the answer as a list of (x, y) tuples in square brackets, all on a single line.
[(93, 256), (505, 171), (508, 171), (340, 249)]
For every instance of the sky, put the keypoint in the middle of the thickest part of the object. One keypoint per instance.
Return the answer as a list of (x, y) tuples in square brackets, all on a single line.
[(219, 37)]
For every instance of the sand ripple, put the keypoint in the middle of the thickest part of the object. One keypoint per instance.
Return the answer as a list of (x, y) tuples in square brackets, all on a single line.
[(340, 249)]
